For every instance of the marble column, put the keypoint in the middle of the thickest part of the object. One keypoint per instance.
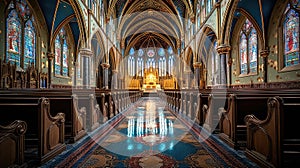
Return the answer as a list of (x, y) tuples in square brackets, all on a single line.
[(223, 51), (50, 57), (105, 67), (197, 77), (86, 55)]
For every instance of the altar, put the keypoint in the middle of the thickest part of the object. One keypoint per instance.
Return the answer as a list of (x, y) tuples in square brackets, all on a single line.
[(151, 80)]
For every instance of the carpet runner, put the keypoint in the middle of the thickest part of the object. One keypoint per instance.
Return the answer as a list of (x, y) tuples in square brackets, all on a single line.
[(148, 134)]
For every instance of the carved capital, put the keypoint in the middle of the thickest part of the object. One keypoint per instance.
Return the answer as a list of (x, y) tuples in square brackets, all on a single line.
[(197, 65), (217, 4), (264, 53), (50, 56), (86, 52), (105, 65), (90, 11), (115, 71), (223, 49)]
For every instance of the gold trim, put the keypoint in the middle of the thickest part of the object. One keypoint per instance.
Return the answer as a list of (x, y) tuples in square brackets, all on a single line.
[(105, 65), (223, 49), (264, 53)]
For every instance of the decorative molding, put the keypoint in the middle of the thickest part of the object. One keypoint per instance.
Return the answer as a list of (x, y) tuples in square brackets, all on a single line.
[(86, 52), (50, 56), (264, 53), (197, 65), (105, 65), (223, 49)]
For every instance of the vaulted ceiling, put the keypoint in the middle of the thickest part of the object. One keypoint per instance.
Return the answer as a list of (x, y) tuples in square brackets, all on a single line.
[(58, 13), (150, 23)]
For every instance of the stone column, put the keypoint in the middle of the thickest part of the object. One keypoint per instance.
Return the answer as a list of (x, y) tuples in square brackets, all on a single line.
[(264, 54), (105, 67), (197, 77), (223, 51), (75, 73), (115, 79), (50, 57), (86, 55)]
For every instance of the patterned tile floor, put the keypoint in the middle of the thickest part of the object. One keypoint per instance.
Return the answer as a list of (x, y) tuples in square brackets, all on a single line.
[(150, 136)]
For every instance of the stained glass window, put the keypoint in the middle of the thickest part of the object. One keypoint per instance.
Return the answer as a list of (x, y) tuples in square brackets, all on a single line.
[(203, 14), (171, 65), (61, 65), (101, 13), (198, 13), (65, 58), (248, 49), (131, 51), (57, 64), (161, 52), (29, 51), (209, 6), (291, 38), (140, 67), (141, 52), (20, 51)]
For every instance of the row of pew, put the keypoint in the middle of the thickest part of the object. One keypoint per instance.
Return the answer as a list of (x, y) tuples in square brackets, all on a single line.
[(262, 122), (36, 125)]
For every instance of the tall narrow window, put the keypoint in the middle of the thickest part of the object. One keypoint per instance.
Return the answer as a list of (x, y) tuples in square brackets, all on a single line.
[(209, 6), (20, 45), (29, 48), (215, 62), (101, 13), (203, 11), (61, 54), (248, 49), (198, 13), (291, 35), (131, 62)]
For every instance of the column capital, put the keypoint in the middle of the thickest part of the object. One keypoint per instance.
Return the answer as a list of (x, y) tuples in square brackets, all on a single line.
[(50, 56), (86, 52), (217, 4), (223, 49), (90, 11), (264, 53), (197, 65), (115, 71), (105, 65)]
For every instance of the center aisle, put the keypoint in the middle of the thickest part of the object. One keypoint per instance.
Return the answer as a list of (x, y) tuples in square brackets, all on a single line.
[(150, 135)]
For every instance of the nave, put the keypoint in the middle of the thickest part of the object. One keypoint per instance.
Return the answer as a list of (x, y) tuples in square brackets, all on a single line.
[(149, 134)]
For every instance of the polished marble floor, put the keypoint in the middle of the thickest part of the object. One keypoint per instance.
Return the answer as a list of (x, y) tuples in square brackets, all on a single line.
[(152, 136)]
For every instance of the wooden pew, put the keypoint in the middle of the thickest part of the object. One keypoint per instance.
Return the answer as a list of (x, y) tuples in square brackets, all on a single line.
[(62, 100), (274, 141), (232, 125), (12, 144), (44, 138), (211, 111)]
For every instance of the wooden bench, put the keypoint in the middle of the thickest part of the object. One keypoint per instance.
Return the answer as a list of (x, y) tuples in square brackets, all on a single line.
[(44, 138), (12, 144), (211, 111), (232, 125), (275, 140)]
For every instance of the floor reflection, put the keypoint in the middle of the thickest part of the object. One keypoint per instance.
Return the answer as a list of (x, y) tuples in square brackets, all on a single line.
[(151, 136), (150, 122)]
